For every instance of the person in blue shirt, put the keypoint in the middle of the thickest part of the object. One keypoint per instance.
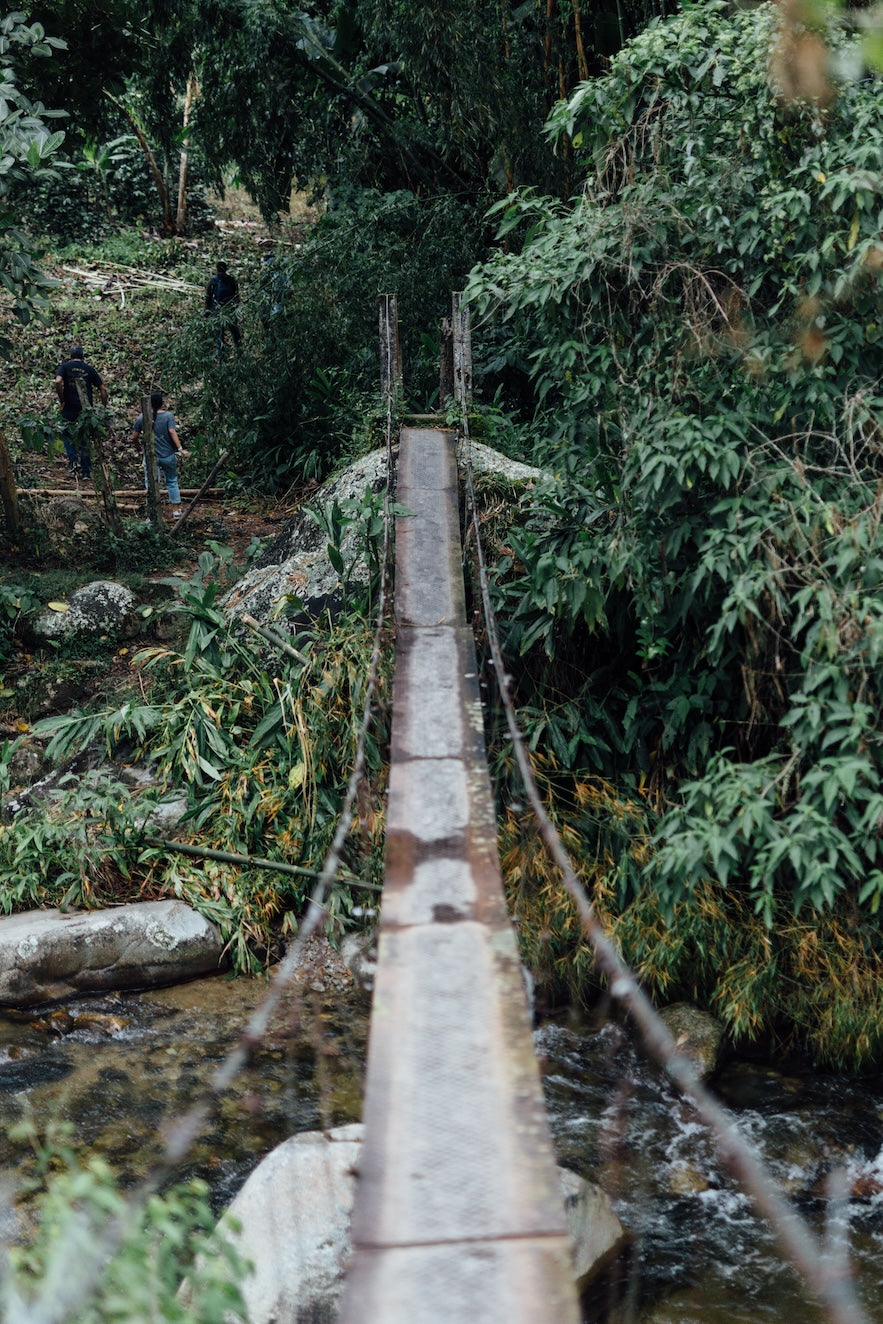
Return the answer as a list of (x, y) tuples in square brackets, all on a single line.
[(168, 448), (70, 375)]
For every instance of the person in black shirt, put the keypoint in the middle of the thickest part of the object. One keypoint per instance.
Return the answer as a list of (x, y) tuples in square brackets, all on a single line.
[(221, 298), (72, 377)]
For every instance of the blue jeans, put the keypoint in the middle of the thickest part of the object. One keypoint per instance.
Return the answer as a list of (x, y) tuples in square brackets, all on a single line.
[(77, 459), (168, 472)]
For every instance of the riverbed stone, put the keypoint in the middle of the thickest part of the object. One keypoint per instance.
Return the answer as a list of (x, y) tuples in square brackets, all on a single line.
[(294, 1219), (46, 955), (596, 1234), (697, 1034)]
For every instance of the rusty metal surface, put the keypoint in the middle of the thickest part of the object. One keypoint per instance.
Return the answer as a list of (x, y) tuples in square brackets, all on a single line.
[(458, 1212)]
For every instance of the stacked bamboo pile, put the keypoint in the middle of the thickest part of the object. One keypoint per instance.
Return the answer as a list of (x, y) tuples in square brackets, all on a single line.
[(111, 279)]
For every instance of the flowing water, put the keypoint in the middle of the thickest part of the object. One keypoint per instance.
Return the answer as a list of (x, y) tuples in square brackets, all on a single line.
[(700, 1255), (118, 1067)]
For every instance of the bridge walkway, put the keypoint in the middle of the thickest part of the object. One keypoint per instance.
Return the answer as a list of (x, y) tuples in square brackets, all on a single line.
[(458, 1213)]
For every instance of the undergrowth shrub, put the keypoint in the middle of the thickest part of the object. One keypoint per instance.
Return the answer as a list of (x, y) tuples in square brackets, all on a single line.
[(76, 1205), (694, 588), (261, 744)]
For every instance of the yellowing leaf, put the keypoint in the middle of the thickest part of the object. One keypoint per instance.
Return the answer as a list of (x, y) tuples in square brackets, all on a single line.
[(853, 234), (58, 606), (122, 652), (297, 776), (821, 177)]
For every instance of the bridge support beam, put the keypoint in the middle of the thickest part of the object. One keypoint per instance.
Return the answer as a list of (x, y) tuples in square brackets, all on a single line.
[(458, 1212)]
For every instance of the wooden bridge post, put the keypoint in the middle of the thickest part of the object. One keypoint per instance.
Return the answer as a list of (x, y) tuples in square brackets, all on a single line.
[(446, 362), (390, 349), (462, 351)]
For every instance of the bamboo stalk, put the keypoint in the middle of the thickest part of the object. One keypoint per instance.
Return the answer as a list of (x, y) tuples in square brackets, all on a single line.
[(582, 63), (230, 857)]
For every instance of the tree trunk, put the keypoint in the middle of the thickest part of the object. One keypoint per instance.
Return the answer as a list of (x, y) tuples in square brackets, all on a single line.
[(168, 226), (181, 214)]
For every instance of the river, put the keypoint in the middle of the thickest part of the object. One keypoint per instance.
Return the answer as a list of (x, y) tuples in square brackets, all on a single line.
[(118, 1067)]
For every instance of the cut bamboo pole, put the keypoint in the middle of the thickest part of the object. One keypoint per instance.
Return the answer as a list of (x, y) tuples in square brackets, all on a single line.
[(202, 490), (120, 492)]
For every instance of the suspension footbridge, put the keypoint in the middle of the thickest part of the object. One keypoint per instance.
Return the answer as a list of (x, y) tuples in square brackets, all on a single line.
[(458, 1212)]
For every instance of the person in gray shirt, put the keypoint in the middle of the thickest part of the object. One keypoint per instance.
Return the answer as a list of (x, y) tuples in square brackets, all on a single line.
[(168, 448)]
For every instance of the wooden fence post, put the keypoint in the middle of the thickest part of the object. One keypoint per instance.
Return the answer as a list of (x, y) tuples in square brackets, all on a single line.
[(462, 351), (104, 483), (149, 447), (8, 494)]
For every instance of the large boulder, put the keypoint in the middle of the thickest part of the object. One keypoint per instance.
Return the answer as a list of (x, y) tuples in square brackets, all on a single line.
[(485, 460), (297, 565), (46, 954), (697, 1033), (291, 1221), (102, 607)]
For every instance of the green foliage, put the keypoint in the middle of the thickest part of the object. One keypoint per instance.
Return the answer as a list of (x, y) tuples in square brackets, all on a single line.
[(27, 146), (262, 755), (106, 187), (702, 565), (300, 394), (15, 602), (354, 528), (155, 1248)]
